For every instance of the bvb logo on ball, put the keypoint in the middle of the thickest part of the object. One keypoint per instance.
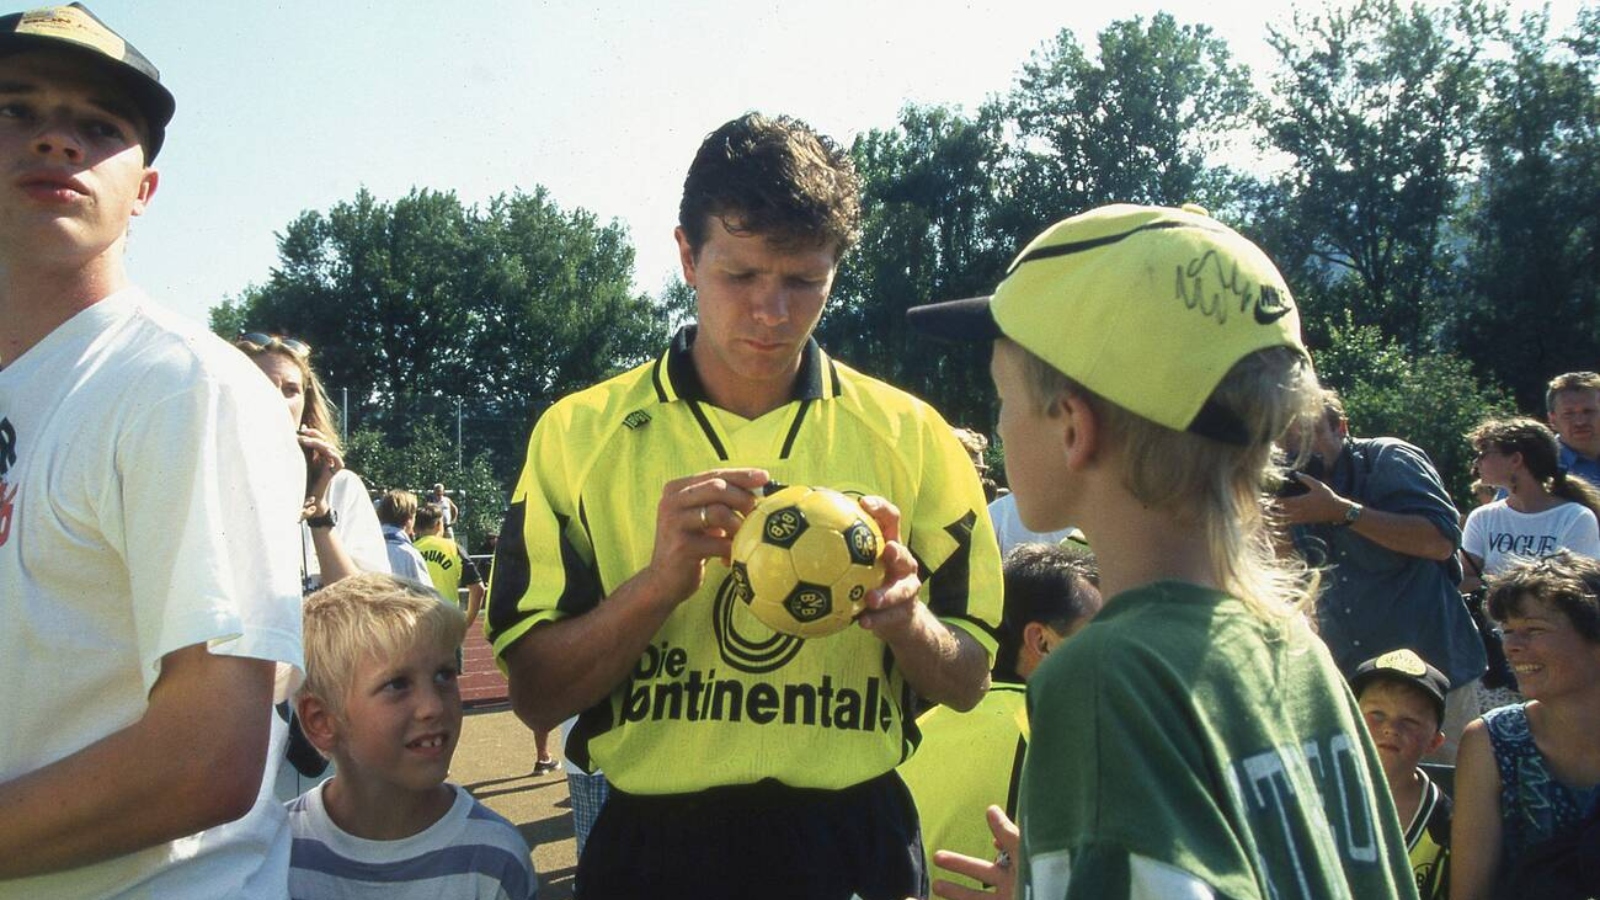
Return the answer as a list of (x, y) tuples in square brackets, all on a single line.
[(804, 560)]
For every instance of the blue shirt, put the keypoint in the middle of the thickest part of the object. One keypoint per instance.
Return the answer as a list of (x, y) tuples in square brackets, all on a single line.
[(1375, 599), (404, 560), (1582, 466)]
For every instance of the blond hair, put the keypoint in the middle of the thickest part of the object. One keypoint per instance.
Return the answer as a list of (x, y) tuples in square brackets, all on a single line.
[(370, 616), (974, 443), (319, 410), (396, 506), (1217, 488)]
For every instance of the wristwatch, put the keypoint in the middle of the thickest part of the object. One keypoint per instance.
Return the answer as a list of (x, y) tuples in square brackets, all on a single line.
[(326, 520), (1351, 515)]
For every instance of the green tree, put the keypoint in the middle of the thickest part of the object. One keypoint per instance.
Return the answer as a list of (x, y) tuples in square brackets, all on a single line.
[(424, 456), (1140, 124), (1374, 104), (929, 195), (1531, 271), (421, 303), (1428, 399), (951, 198)]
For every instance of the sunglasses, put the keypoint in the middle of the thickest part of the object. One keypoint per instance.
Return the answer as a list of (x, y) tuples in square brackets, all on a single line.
[(262, 341)]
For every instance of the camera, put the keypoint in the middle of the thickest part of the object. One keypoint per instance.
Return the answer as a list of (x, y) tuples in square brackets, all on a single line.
[(1286, 485)]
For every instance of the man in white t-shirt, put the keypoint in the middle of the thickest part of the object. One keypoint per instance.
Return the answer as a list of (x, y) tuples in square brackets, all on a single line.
[(148, 582)]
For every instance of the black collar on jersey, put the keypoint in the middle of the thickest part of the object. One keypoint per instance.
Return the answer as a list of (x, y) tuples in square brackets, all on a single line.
[(675, 378), (675, 370)]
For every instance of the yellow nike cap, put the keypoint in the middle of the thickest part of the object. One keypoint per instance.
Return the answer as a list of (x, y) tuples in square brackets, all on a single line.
[(1146, 306)]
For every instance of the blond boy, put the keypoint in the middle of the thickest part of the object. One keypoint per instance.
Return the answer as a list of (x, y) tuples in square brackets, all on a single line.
[(1196, 740), (1402, 700), (381, 700)]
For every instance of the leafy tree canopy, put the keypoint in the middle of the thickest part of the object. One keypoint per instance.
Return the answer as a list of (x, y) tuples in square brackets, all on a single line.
[(412, 304)]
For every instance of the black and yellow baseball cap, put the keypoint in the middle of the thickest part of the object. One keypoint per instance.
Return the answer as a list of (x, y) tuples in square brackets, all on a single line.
[(1146, 306), (76, 28), (1407, 667)]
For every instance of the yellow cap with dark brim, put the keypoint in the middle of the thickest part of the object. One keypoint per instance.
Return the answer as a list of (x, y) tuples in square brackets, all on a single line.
[(75, 28), (1148, 307)]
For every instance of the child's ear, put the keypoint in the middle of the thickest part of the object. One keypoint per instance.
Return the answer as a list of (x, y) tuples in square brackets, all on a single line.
[(318, 722), (1080, 430), (1436, 743)]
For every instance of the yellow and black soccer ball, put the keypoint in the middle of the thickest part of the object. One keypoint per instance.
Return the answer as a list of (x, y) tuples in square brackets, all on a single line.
[(804, 560)]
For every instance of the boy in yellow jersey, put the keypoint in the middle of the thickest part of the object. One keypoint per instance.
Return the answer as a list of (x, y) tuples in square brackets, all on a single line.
[(1196, 740), (970, 761), (743, 762), (1402, 700), (449, 566)]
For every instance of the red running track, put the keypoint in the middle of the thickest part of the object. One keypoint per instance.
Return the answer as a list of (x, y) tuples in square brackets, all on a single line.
[(481, 682)]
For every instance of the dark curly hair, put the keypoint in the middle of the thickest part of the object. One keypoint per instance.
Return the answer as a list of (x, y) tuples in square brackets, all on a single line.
[(775, 177), (1565, 580)]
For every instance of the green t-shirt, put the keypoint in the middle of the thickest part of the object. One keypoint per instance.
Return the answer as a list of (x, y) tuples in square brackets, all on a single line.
[(718, 698), (1181, 739), (967, 762)]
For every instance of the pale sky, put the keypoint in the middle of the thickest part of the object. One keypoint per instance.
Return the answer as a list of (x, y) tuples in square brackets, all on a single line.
[(291, 106)]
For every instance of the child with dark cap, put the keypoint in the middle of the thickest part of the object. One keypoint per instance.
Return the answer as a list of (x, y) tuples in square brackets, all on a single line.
[(1196, 740), (1402, 700)]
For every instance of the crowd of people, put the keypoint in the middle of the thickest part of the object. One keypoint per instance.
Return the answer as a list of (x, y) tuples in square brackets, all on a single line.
[(1172, 683)]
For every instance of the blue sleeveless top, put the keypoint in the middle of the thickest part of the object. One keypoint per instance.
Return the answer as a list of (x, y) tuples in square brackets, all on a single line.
[(1534, 806)]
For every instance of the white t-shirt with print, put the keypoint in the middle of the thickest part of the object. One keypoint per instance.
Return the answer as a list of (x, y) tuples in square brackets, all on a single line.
[(1499, 535), (145, 482)]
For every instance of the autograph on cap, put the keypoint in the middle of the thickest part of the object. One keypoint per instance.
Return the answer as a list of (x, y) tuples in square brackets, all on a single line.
[(1267, 304)]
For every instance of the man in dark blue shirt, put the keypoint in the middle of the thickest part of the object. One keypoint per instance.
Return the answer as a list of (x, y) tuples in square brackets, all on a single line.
[(1378, 517)]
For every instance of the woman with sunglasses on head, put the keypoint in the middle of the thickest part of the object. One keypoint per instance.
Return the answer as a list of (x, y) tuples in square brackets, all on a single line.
[(339, 529), (1544, 509)]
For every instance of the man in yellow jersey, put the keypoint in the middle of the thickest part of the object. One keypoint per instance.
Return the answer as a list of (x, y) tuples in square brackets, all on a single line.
[(743, 762), (970, 761)]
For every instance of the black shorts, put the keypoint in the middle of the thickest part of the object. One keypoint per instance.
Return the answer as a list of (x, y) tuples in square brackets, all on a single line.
[(764, 840)]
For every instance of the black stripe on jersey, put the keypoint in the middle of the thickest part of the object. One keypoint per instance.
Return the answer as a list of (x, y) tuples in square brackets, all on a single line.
[(947, 594), (705, 426), (794, 428), (655, 379), (592, 722), (978, 625), (581, 592), (508, 578), (1015, 789), (838, 385)]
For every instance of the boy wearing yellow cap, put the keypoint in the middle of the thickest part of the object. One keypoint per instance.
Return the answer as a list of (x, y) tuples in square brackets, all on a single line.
[(1402, 699), (1196, 740)]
